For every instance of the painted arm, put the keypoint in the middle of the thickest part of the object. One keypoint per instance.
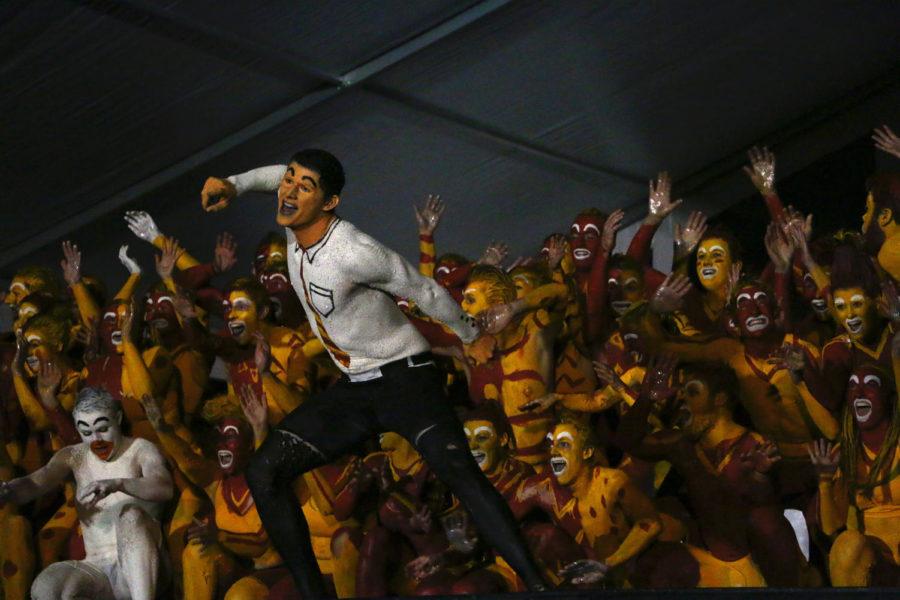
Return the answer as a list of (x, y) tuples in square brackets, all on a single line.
[(43, 481), (34, 412), (155, 483)]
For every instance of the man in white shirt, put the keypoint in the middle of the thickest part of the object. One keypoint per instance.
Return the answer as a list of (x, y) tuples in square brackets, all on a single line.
[(346, 282)]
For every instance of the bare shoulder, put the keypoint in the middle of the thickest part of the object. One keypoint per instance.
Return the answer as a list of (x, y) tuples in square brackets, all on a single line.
[(144, 450)]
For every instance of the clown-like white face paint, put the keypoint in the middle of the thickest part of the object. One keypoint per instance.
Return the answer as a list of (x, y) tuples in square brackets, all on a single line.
[(713, 263), (867, 397), (567, 453), (484, 443), (101, 430)]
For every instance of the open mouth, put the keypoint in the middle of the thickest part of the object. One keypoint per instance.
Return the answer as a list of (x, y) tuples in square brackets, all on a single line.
[(708, 272), (683, 418), (479, 456), (34, 363), (620, 306), (818, 304), (854, 324), (558, 464), (757, 323), (237, 328), (287, 208), (581, 254), (276, 305), (226, 458), (159, 323), (116, 338), (862, 408), (102, 449)]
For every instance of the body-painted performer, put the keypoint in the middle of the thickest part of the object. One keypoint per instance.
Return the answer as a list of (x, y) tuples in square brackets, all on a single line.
[(347, 282), (121, 483), (859, 483), (525, 332), (747, 540)]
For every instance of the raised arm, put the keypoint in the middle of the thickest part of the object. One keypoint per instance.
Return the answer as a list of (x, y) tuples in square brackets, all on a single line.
[(71, 267), (762, 173), (660, 206), (217, 193), (428, 217), (597, 281)]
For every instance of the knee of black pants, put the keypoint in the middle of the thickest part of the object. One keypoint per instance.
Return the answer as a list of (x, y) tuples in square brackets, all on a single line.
[(280, 460), (448, 455)]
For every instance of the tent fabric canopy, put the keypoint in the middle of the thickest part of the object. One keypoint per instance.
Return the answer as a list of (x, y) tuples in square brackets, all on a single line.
[(519, 113)]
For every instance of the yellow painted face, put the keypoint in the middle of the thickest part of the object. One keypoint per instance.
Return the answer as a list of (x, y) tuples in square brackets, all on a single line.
[(869, 214), (484, 443), (19, 288), (40, 348), (26, 311), (853, 310), (475, 297), (568, 456), (242, 316), (524, 285), (713, 263)]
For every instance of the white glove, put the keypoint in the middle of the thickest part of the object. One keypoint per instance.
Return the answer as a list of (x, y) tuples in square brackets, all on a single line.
[(141, 224), (129, 262)]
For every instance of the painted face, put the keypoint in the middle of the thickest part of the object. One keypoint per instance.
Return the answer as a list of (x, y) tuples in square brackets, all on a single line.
[(635, 346), (868, 397), (713, 263), (242, 317), (41, 347), (753, 311), (281, 294), (26, 311), (805, 287), (110, 330), (20, 287), (568, 456), (234, 446), (524, 285), (485, 444), (696, 411), (584, 236), (159, 313), (853, 310), (625, 288), (475, 298), (301, 200), (101, 430), (268, 255), (448, 272)]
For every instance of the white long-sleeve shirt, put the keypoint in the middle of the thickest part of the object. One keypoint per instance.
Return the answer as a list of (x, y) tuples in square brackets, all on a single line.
[(347, 282)]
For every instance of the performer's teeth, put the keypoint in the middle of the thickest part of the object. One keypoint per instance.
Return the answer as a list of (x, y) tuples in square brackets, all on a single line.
[(708, 272), (818, 304), (558, 464), (581, 253), (757, 323), (160, 323), (479, 456), (226, 458), (863, 409), (620, 306), (854, 324), (34, 363), (116, 338), (236, 328)]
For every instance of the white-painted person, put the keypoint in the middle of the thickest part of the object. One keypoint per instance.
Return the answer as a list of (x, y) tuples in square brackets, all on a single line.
[(121, 485)]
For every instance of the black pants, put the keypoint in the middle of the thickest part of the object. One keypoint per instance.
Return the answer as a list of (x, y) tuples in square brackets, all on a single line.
[(408, 399)]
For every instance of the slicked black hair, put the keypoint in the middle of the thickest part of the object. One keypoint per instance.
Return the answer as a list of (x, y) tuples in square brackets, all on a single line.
[(329, 168)]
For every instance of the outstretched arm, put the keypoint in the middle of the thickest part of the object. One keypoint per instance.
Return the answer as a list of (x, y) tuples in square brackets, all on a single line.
[(44, 480), (428, 217), (218, 193), (762, 173), (660, 206)]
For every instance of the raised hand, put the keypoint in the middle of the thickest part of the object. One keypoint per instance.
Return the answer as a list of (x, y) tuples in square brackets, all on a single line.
[(18, 361), (184, 307), (608, 375), (824, 457), (262, 355), (669, 296), (656, 381), (225, 254), (128, 321), (428, 216), (142, 225), (887, 141), (217, 194), (556, 250), (660, 199), (540, 404), (49, 377), (494, 254), (779, 248), (610, 227), (255, 409), (128, 262), (762, 458), (165, 262), (86, 335), (71, 263), (761, 170), (687, 237)]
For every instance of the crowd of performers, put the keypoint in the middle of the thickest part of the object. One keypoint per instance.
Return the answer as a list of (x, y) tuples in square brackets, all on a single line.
[(706, 427)]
